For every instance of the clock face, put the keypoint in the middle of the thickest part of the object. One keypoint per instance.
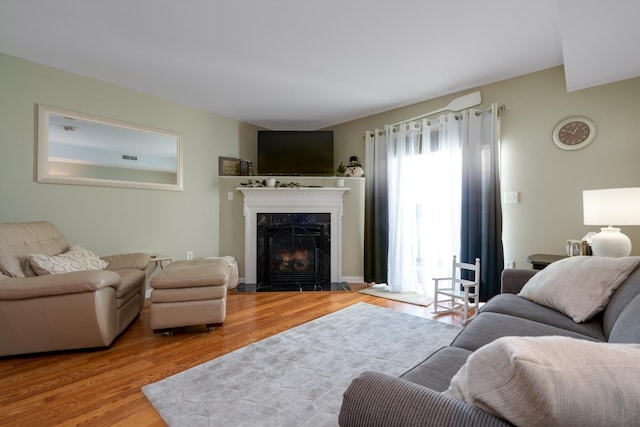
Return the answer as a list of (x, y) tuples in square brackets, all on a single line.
[(574, 133)]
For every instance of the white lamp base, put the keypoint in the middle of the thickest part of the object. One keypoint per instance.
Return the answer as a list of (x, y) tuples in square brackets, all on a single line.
[(610, 242)]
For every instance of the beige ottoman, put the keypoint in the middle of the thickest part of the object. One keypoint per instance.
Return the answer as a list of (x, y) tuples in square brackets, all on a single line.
[(189, 293)]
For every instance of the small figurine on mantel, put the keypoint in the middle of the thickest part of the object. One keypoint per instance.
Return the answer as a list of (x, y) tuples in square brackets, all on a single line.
[(354, 168)]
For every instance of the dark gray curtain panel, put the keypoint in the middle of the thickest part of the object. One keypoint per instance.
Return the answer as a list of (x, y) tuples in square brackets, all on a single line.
[(376, 220), (481, 222)]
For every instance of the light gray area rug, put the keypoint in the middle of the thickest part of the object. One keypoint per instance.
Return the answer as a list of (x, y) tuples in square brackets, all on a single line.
[(381, 290), (297, 378)]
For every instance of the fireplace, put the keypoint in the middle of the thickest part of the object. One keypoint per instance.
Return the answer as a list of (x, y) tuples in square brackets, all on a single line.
[(293, 238), (293, 251)]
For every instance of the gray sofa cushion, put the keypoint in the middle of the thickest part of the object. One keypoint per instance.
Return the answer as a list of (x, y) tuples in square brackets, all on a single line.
[(627, 328), (437, 370), (516, 306), (488, 326), (620, 299)]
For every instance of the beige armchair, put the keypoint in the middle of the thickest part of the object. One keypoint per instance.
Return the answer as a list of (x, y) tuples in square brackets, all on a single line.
[(79, 309)]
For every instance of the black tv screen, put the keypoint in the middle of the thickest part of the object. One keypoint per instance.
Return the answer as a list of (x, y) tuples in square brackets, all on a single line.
[(295, 153)]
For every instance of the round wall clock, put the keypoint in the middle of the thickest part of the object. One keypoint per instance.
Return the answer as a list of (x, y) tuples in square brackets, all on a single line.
[(574, 133)]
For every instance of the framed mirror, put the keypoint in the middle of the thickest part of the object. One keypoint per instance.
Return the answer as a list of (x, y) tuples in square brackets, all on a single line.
[(77, 148)]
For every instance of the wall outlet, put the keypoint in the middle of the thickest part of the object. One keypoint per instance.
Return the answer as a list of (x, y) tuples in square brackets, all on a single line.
[(229, 195), (509, 263), (189, 255)]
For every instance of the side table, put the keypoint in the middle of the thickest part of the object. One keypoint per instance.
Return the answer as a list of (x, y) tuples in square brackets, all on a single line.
[(540, 261), (158, 260)]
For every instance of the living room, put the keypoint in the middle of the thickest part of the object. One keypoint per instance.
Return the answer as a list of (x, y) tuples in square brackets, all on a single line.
[(201, 219)]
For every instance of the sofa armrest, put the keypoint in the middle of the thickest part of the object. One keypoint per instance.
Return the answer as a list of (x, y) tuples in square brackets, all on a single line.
[(513, 279), (137, 260), (375, 399), (14, 288)]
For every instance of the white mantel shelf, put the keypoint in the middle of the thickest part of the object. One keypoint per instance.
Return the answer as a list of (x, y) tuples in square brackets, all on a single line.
[(324, 194), (313, 189), (291, 200)]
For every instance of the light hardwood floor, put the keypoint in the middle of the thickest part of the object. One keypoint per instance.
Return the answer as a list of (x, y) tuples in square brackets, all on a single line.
[(102, 387)]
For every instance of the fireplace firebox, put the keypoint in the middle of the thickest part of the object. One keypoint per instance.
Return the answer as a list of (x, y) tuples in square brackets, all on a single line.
[(294, 251)]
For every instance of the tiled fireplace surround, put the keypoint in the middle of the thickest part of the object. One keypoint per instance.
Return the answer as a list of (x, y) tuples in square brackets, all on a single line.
[(292, 200)]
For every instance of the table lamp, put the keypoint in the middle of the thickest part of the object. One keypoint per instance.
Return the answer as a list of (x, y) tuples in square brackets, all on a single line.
[(613, 206)]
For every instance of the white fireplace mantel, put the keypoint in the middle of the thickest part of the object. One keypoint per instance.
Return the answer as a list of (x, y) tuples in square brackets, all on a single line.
[(291, 200)]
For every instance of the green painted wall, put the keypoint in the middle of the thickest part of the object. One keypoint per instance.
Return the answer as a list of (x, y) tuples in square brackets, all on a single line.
[(113, 220)]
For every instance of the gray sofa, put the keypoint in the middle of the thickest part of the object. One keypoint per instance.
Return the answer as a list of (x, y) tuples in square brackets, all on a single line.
[(415, 399)]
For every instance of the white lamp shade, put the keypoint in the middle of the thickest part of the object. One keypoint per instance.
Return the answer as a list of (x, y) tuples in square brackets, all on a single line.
[(614, 206)]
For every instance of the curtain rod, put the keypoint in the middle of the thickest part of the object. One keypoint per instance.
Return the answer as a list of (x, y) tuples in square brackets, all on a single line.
[(501, 108), (460, 103)]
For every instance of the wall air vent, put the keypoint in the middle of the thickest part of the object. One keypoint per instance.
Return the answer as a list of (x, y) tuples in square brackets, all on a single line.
[(127, 157)]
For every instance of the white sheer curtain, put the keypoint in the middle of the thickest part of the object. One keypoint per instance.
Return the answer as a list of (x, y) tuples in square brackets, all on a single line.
[(424, 194)]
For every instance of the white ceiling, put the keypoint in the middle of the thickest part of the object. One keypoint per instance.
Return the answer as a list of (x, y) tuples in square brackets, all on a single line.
[(296, 64)]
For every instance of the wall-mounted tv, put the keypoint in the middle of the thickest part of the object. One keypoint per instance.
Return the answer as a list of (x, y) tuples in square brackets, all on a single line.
[(295, 153)]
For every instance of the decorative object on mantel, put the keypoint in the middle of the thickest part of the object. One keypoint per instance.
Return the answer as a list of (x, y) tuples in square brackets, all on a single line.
[(354, 168), (263, 183), (341, 169), (228, 166), (246, 168)]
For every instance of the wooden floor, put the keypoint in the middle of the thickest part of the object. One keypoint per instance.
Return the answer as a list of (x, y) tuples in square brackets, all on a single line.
[(102, 387)]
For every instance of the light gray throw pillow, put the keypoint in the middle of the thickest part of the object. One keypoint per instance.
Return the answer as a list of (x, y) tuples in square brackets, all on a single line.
[(553, 381), (580, 286)]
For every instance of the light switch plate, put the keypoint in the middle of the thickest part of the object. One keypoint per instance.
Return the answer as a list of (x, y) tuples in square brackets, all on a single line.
[(511, 197)]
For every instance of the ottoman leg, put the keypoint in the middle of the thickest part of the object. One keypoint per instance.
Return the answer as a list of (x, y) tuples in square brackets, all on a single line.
[(167, 331)]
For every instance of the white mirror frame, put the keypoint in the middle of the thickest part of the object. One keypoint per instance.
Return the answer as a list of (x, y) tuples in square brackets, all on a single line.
[(47, 175)]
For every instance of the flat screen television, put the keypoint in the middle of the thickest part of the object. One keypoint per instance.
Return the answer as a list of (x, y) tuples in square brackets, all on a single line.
[(295, 153)]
